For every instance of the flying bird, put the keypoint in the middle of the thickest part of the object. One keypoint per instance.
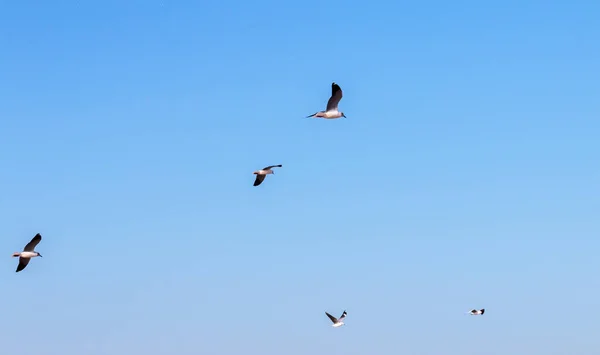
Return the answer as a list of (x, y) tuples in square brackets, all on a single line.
[(475, 312), (262, 173), (337, 322), (332, 105), (28, 252)]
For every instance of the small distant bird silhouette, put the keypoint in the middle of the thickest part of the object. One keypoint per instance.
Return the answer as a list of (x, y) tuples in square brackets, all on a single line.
[(475, 312), (28, 252), (331, 112), (262, 173), (337, 322)]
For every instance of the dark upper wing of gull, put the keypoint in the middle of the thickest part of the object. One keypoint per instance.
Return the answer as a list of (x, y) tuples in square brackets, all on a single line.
[(333, 319), (272, 166), (336, 96), (33, 243), (259, 179), (22, 263)]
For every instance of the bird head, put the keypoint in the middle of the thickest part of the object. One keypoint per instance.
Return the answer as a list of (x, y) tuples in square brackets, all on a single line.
[(38, 254), (15, 254), (343, 114)]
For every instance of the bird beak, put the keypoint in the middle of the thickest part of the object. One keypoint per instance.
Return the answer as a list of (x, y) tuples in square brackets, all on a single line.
[(344, 116), (40, 255)]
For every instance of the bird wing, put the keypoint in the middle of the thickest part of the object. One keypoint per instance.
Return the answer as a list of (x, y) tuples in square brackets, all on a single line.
[(272, 166), (33, 243), (22, 263), (259, 179), (336, 96), (333, 319), (343, 316)]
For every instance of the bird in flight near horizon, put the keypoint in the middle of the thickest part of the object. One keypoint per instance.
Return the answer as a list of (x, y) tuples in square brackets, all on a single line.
[(262, 173), (331, 112), (28, 252), (337, 322), (475, 312)]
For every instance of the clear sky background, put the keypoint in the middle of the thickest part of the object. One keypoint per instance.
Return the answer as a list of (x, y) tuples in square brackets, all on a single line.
[(466, 175)]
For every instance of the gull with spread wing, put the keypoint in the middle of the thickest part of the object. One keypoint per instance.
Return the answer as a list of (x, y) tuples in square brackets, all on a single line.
[(337, 322), (331, 112), (475, 312), (262, 173), (28, 252)]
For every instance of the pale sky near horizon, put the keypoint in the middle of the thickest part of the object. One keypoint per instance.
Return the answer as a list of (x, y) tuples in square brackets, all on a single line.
[(466, 175)]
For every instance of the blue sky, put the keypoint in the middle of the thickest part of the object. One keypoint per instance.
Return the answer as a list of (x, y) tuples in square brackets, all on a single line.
[(465, 175)]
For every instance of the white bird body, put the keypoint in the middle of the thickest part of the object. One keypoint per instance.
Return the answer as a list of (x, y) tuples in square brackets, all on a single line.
[(26, 254), (338, 324), (263, 172), (331, 114)]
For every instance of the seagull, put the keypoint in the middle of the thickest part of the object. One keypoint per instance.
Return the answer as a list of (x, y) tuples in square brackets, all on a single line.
[(337, 322), (28, 252), (332, 105), (262, 173), (475, 312)]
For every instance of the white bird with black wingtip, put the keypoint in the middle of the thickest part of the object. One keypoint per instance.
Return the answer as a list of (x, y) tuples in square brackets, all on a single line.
[(28, 252), (262, 173), (337, 322), (476, 312), (331, 112)]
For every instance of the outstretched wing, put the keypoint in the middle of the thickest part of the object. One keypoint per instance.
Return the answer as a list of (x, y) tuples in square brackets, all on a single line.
[(333, 319), (343, 315), (33, 243), (336, 96), (272, 166), (22, 263), (259, 179)]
